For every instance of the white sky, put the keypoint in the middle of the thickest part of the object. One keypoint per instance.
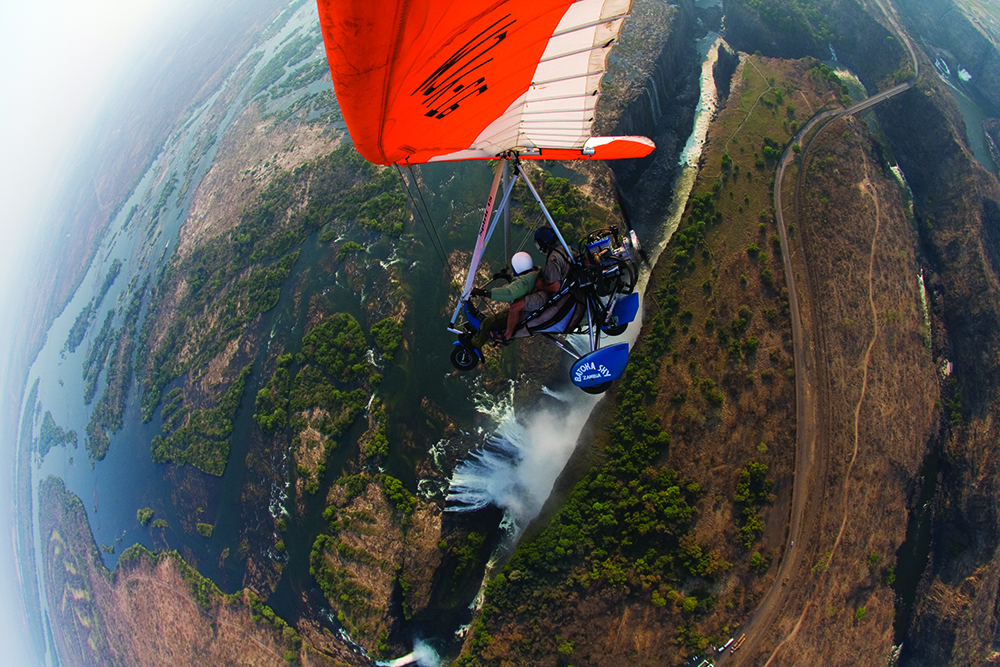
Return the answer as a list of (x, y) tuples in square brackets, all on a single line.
[(58, 59)]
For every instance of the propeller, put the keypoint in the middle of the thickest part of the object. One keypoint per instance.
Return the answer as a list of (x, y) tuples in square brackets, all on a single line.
[(620, 200)]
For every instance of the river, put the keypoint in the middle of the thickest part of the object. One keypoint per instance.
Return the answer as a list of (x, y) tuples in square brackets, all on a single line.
[(141, 236)]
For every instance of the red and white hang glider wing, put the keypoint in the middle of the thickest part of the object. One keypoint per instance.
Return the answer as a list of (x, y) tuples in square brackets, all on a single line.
[(429, 80)]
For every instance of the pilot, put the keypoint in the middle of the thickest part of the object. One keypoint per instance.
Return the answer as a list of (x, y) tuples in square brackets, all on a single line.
[(525, 280), (549, 280)]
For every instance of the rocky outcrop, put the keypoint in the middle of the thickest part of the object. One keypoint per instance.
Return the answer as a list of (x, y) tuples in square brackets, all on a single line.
[(722, 71)]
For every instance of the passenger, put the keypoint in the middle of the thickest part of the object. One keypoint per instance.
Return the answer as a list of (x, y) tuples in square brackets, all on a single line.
[(525, 280), (549, 279)]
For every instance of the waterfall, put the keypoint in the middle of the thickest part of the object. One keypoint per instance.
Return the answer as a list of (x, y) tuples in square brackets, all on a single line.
[(518, 465), (654, 99)]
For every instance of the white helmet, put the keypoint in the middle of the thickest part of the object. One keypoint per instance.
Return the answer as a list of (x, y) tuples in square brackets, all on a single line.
[(521, 262)]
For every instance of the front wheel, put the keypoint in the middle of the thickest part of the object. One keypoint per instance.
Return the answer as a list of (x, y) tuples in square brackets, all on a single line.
[(463, 358)]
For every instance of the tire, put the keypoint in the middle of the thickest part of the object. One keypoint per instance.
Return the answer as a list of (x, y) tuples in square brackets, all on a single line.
[(628, 284), (597, 388), (463, 358), (616, 330)]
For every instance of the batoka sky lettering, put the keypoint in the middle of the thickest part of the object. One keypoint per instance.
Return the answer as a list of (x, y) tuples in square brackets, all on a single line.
[(456, 80), (590, 371)]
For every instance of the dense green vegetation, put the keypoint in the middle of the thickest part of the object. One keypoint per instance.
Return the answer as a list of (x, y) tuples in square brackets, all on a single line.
[(97, 357), (295, 51), (233, 279), (51, 435), (325, 387), (144, 515), (331, 361), (89, 312), (131, 214), (397, 494), (569, 208), (205, 529), (203, 440), (332, 354), (245, 299), (168, 189), (337, 346), (107, 415), (796, 17), (271, 405), (752, 491), (387, 333), (302, 77)]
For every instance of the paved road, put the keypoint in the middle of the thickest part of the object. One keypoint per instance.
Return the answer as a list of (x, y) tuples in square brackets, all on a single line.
[(807, 458)]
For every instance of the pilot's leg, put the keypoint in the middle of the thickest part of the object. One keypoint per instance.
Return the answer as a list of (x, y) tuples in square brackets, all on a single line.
[(513, 318), (492, 322)]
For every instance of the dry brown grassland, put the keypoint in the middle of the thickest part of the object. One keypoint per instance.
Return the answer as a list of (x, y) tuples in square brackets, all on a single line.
[(855, 263)]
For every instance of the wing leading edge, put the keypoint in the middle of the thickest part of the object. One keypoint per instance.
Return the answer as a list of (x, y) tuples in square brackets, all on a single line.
[(429, 80)]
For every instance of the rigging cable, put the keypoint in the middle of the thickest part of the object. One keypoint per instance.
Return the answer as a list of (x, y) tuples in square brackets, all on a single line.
[(439, 251), (430, 218)]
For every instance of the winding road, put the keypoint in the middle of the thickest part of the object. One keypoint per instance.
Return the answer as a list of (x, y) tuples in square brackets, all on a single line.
[(809, 452)]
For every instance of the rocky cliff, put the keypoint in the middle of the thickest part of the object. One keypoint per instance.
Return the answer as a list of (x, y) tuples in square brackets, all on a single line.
[(650, 90), (956, 208), (962, 40)]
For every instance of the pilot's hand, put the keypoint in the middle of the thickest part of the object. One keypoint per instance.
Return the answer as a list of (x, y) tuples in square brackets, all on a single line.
[(479, 291), (503, 273)]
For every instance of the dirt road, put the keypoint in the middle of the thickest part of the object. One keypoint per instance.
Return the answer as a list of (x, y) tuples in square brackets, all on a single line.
[(811, 452)]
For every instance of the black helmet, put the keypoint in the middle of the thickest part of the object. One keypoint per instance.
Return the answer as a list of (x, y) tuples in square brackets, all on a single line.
[(545, 239)]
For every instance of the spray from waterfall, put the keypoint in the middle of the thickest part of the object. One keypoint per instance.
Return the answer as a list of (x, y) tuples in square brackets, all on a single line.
[(423, 655), (516, 468)]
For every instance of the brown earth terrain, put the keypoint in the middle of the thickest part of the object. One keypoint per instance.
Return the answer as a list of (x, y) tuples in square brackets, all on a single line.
[(155, 609), (376, 550), (250, 153)]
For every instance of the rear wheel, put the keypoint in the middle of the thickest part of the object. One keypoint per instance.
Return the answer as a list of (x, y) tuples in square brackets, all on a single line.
[(616, 330), (463, 358), (597, 388)]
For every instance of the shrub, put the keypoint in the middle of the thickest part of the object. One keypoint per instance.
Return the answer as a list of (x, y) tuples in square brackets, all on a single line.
[(387, 334), (144, 515)]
